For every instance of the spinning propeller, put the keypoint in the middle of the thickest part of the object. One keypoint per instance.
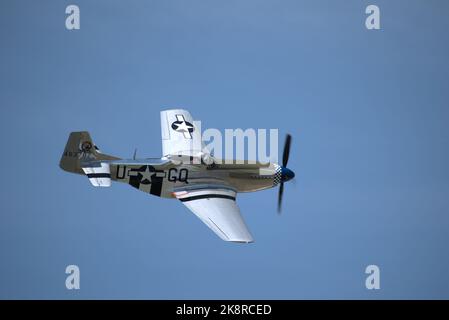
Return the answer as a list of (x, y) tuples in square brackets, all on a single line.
[(286, 174)]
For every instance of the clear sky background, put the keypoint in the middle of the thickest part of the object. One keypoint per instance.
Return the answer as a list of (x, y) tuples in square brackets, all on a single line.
[(368, 111)]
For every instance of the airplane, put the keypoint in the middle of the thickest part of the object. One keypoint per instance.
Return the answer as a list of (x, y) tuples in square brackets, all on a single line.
[(205, 185)]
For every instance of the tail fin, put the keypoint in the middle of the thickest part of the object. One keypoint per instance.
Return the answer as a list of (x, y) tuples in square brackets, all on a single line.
[(80, 147)]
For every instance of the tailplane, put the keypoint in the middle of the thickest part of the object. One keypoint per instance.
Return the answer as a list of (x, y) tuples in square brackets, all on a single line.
[(78, 152)]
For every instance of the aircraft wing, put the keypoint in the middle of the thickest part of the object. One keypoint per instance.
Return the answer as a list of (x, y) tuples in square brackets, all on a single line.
[(218, 210), (180, 134)]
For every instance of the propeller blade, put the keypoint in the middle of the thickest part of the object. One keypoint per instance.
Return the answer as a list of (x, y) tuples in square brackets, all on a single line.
[(288, 141), (281, 192)]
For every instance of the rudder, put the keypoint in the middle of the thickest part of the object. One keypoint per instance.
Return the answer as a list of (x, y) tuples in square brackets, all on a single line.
[(80, 147)]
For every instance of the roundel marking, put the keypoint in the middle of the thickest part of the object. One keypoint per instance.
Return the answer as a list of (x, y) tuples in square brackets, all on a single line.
[(183, 126)]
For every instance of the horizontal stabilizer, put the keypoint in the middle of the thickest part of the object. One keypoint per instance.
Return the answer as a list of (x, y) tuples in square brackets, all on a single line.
[(99, 176)]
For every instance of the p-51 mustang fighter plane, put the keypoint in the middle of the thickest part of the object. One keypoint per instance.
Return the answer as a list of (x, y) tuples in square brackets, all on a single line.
[(207, 186)]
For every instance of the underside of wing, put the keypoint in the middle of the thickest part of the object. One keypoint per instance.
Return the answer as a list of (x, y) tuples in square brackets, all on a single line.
[(180, 134), (218, 210)]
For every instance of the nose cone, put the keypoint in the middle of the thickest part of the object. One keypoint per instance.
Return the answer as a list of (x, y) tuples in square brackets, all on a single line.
[(287, 174)]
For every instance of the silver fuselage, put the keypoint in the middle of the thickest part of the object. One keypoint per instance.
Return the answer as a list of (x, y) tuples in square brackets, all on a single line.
[(162, 178)]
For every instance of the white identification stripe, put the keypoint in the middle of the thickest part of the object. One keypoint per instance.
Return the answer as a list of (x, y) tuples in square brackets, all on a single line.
[(99, 176), (88, 170), (100, 182), (188, 194), (103, 169)]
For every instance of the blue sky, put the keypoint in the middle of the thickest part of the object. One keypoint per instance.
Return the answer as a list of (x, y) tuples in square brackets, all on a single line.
[(368, 111)]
